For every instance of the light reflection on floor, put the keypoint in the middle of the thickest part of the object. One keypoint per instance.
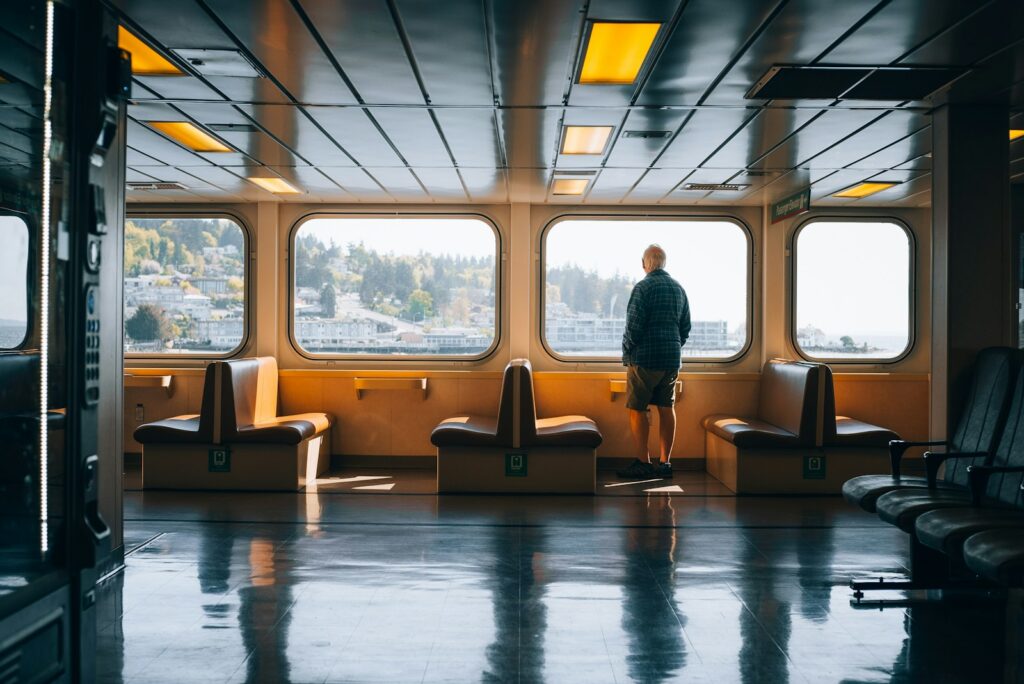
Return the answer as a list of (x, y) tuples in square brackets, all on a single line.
[(344, 587)]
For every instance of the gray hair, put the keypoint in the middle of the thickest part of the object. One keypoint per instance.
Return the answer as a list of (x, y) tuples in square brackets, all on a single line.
[(655, 257)]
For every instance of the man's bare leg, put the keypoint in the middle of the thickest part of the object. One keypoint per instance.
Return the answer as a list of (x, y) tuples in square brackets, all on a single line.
[(666, 430), (640, 426)]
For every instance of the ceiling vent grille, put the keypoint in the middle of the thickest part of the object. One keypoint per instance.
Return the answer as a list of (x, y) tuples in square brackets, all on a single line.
[(156, 186), (716, 187), (232, 128), (646, 135)]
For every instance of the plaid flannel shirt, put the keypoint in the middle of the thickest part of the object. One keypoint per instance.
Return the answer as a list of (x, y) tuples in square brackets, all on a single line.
[(657, 323)]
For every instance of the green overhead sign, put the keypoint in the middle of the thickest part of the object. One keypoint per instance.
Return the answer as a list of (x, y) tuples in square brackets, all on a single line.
[(792, 206)]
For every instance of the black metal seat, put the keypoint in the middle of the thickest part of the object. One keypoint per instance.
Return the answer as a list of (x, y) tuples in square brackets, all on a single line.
[(976, 432)]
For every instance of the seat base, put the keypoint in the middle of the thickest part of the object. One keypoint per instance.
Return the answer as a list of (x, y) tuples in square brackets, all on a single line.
[(549, 470), (782, 471), (260, 467)]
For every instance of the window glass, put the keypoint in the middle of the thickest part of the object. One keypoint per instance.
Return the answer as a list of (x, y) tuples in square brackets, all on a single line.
[(852, 290), (13, 282), (591, 266), (184, 286), (395, 286)]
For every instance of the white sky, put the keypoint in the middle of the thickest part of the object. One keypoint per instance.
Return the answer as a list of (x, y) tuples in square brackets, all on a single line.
[(708, 258), (468, 236), (853, 279), (13, 264)]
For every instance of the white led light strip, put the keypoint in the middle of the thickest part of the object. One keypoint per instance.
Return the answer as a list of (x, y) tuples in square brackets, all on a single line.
[(44, 292)]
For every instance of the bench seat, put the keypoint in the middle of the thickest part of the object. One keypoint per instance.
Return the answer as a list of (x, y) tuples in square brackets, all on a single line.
[(556, 455), (749, 432)]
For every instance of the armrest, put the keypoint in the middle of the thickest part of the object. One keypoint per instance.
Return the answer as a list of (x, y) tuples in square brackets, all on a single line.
[(933, 460), (978, 475), (898, 447)]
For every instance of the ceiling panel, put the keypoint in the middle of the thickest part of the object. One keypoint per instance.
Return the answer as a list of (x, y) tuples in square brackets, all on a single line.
[(313, 184), (485, 185), (907, 150), (530, 136), (274, 34), (826, 130), (656, 183), (535, 45), (291, 126), (356, 134), (471, 135), (400, 183), (364, 40), (444, 184), (702, 134), (885, 130), (762, 133), (641, 152), (801, 31), (413, 132), (450, 49), (991, 26), (357, 182), (612, 185)]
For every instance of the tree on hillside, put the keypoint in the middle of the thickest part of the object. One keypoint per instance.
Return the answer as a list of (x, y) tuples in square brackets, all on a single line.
[(847, 341), (328, 301), (148, 323), (420, 306)]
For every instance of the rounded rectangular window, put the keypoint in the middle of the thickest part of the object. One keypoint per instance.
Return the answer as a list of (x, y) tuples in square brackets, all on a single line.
[(184, 286), (395, 287), (592, 264), (14, 276), (852, 290)]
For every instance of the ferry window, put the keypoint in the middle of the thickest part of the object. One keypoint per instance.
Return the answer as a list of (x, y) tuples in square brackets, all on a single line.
[(852, 290), (591, 265), (14, 282), (368, 286), (184, 286)]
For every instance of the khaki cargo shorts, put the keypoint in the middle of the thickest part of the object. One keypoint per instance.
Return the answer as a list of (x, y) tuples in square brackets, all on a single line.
[(645, 386)]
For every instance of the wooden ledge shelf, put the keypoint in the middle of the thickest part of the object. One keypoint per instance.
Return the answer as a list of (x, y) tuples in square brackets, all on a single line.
[(163, 382), (390, 385), (616, 387)]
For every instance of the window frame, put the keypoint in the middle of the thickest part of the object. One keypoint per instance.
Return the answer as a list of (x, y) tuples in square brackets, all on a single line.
[(30, 276), (248, 289), (499, 272), (707, 218), (911, 290)]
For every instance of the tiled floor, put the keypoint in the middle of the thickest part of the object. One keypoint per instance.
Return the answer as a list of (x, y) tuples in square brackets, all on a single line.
[(338, 587)]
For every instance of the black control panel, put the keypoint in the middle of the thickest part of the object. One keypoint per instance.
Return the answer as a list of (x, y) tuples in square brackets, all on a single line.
[(92, 346)]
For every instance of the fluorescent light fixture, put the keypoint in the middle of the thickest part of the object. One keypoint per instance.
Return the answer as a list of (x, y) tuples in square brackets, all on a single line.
[(189, 135), (1016, 133), (145, 60), (616, 51), (278, 185), (865, 189), (569, 186), (585, 139)]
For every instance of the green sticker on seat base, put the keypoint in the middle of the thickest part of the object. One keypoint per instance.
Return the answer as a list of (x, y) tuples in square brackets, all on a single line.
[(220, 460), (515, 465), (814, 467)]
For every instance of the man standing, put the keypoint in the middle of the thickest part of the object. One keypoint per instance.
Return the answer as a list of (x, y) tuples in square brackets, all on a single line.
[(657, 325)]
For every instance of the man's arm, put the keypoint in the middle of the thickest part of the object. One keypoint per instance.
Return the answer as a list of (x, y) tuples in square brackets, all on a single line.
[(684, 321), (636, 317)]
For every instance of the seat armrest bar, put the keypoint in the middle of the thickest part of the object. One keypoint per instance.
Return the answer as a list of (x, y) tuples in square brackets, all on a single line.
[(932, 461), (898, 447), (978, 476)]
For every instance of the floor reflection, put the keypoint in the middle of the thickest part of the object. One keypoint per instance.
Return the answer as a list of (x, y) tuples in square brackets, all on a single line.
[(652, 618), (332, 588)]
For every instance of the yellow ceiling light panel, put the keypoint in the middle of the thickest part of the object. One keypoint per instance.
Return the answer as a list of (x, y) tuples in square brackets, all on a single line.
[(616, 52), (145, 60), (189, 135), (569, 186), (864, 189), (586, 139), (276, 185), (1016, 133)]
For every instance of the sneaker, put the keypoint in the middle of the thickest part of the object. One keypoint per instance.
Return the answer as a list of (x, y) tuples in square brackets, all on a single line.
[(637, 470), (663, 470)]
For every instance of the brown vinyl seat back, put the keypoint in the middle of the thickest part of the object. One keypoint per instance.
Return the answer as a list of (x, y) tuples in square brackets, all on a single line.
[(527, 423), (789, 398), (249, 394), (188, 429), (506, 405)]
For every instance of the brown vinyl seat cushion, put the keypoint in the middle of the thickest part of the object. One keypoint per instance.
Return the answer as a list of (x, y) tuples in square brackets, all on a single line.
[(249, 408), (475, 430), (786, 411), (841, 431), (559, 431), (187, 429)]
